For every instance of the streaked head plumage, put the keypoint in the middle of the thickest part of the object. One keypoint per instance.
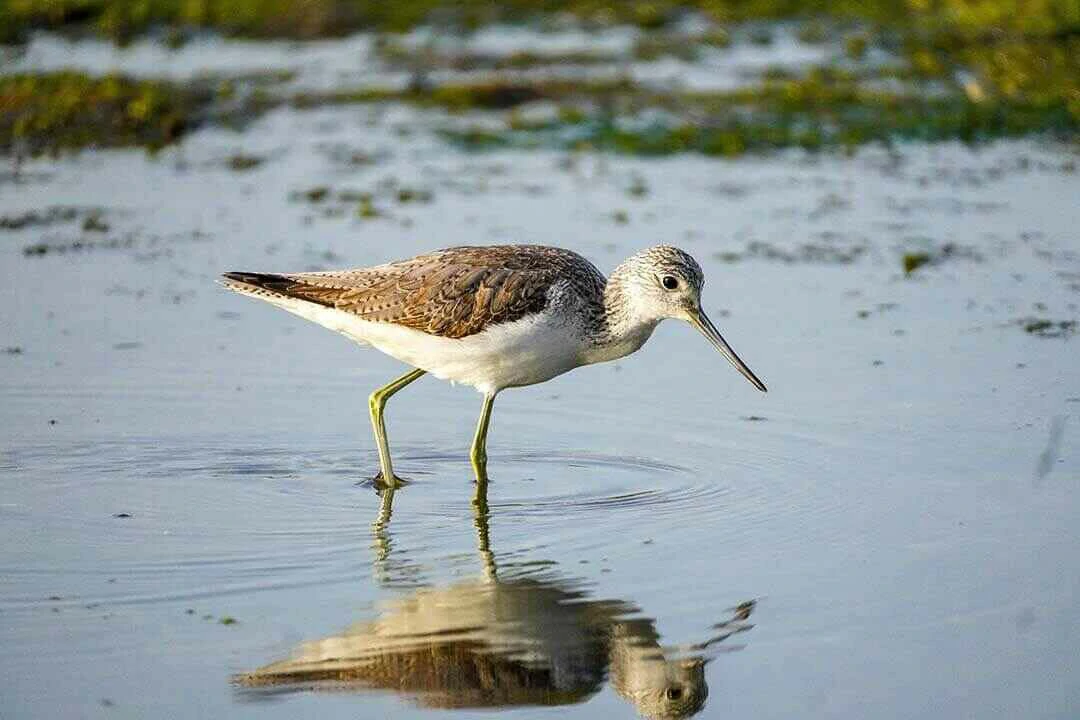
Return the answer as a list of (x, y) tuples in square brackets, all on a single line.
[(664, 282)]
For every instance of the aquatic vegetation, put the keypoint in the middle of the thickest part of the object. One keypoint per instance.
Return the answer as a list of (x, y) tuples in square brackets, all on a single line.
[(826, 108), (52, 112), (653, 46), (969, 70), (819, 108), (1043, 327), (808, 253), (408, 195), (914, 260), (121, 19), (366, 208), (43, 248), (241, 162), (313, 195), (398, 54), (94, 223), (53, 215)]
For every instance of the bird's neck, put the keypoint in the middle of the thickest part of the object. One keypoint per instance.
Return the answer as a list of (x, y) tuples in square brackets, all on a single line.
[(623, 328)]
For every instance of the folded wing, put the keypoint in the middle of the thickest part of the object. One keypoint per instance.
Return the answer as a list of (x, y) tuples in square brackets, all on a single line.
[(452, 293)]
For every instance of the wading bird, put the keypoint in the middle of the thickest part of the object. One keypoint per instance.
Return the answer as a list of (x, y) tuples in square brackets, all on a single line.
[(494, 317)]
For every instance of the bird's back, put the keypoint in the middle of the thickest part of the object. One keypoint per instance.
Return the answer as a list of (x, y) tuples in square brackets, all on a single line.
[(453, 293)]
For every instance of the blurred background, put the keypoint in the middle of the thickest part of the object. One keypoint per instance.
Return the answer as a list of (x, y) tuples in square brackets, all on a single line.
[(884, 199), (719, 78)]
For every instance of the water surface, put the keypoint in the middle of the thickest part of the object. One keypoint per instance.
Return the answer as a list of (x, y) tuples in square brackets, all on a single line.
[(185, 492)]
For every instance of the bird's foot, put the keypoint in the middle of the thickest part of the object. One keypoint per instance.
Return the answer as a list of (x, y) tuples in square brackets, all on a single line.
[(380, 483)]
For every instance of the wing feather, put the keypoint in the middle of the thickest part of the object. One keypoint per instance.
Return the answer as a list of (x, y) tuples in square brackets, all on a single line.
[(455, 292)]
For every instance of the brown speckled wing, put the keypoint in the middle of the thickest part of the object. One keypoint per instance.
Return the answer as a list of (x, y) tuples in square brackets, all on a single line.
[(454, 293)]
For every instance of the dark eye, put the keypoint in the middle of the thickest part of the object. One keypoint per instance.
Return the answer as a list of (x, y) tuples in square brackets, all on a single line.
[(670, 282), (674, 693)]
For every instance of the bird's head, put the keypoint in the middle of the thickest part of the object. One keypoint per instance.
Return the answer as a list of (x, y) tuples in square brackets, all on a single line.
[(681, 695), (665, 282)]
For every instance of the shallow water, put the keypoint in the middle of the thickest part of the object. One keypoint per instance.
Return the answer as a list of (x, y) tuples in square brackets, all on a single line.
[(890, 532)]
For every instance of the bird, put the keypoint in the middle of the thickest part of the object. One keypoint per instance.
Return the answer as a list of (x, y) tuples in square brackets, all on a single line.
[(494, 317)]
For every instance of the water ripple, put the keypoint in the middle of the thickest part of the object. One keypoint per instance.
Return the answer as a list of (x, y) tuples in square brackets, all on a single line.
[(186, 519)]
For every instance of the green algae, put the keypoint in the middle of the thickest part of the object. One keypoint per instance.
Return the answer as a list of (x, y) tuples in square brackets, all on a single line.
[(968, 70), (1043, 327), (50, 113), (122, 19), (914, 260), (825, 109), (53, 215), (1009, 89)]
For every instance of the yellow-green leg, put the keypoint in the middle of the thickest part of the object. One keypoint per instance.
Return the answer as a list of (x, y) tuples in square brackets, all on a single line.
[(377, 403), (478, 454)]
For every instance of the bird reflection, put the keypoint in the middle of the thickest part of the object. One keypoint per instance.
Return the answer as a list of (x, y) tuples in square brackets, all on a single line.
[(492, 642)]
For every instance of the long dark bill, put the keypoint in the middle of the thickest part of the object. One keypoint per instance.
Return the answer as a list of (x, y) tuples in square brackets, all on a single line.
[(704, 325)]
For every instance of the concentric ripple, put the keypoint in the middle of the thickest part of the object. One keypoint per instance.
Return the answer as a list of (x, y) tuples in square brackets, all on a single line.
[(143, 522)]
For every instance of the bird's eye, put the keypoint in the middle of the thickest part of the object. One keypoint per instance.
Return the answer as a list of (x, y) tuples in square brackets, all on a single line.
[(674, 693), (670, 282)]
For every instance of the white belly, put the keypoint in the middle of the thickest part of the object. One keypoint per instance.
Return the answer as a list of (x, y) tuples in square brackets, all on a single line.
[(523, 352)]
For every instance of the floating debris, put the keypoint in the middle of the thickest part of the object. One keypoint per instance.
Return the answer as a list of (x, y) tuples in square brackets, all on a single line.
[(242, 163)]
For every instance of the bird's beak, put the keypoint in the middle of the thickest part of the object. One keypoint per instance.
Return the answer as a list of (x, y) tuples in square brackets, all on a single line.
[(704, 325)]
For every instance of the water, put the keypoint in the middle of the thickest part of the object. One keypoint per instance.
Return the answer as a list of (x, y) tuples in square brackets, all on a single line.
[(890, 532)]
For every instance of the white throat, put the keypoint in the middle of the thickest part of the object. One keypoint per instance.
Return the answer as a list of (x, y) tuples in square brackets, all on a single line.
[(626, 325)]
